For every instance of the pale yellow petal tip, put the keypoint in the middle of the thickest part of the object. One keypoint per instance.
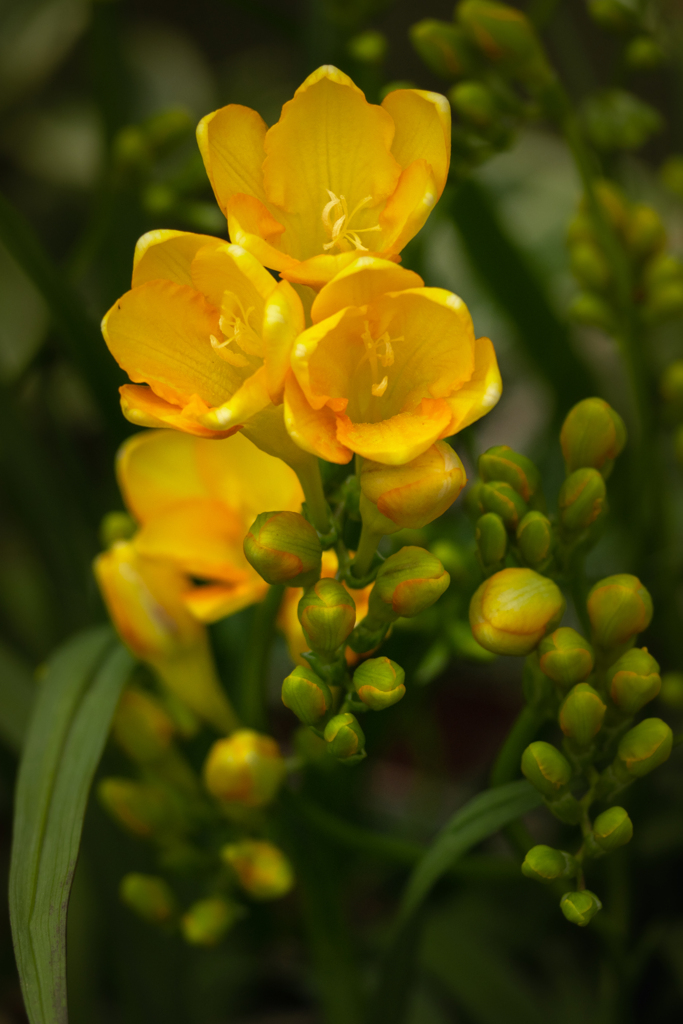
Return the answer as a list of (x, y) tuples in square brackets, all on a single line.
[(330, 72)]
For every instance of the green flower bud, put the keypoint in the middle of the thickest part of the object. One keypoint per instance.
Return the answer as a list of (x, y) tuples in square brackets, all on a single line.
[(617, 119), (327, 614), (548, 865), (501, 498), (671, 386), (672, 690), (535, 539), (619, 607), (634, 680), (615, 14), (369, 47), (645, 747), (345, 739), (283, 547), (671, 174), (612, 829), (589, 266), (592, 435), (645, 232), (507, 37), (306, 694), (148, 896), (379, 683), (503, 463), (492, 540), (664, 300), (588, 308), (565, 657), (580, 907), (583, 497), (409, 582), (116, 526), (546, 768), (262, 869), (141, 727), (514, 609), (582, 714), (143, 809), (475, 103), (207, 921), (443, 47)]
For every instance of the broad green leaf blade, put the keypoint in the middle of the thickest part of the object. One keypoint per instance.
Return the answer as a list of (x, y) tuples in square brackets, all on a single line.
[(69, 727), (17, 693)]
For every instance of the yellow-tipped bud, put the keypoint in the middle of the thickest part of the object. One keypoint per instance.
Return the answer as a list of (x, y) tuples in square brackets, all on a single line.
[(645, 747), (546, 768), (583, 496), (619, 607), (634, 680), (327, 614), (443, 47), (408, 582), (580, 907), (141, 727), (546, 864), (246, 768), (592, 436), (148, 896), (345, 738), (582, 714), (413, 495), (145, 810), (503, 463), (507, 37), (262, 869), (565, 657), (306, 694), (492, 541), (513, 610), (208, 921), (502, 498), (283, 547), (379, 682), (535, 539), (612, 829)]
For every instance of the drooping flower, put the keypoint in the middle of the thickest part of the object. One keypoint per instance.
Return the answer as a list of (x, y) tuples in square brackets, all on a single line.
[(388, 367), (335, 177)]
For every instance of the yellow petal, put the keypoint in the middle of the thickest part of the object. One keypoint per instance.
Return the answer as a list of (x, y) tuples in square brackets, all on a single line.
[(231, 143), (479, 395), (314, 430), (213, 602), (250, 398), (325, 358), (252, 226), (283, 321), (157, 469), (409, 207), (227, 267), (318, 270), (423, 130), (142, 407), (361, 282), (168, 255), (398, 439)]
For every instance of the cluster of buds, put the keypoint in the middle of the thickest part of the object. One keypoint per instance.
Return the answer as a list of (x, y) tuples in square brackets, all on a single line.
[(641, 49)]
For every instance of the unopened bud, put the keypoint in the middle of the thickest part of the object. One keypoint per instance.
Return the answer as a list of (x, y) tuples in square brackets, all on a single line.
[(208, 921), (443, 47), (664, 300), (141, 727), (671, 386), (662, 269), (546, 768), (148, 896), (591, 309), (503, 463), (283, 547), (369, 47), (475, 103), (345, 739), (262, 869), (327, 614), (580, 907), (589, 266), (619, 607), (617, 119), (671, 174), (645, 747), (492, 541), (565, 657), (501, 498), (409, 582), (116, 526), (582, 498), (379, 682), (672, 690), (615, 14), (592, 435), (645, 232), (413, 495), (306, 694), (634, 680), (143, 809), (535, 539), (514, 609), (582, 714), (546, 864), (245, 768), (612, 829), (507, 37)]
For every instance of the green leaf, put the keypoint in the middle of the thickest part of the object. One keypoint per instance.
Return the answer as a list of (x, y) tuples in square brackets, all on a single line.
[(76, 701), (17, 692)]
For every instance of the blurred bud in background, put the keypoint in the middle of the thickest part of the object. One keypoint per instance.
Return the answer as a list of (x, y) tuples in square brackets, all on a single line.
[(149, 896), (444, 47), (262, 869), (246, 768), (208, 921)]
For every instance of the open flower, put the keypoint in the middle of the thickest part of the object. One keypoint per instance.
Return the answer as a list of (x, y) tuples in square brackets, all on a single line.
[(388, 367), (195, 500), (204, 333), (334, 177)]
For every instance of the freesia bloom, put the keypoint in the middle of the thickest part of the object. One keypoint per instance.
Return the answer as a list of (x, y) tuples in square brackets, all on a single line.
[(388, 367), (195, 500), (334, 177)]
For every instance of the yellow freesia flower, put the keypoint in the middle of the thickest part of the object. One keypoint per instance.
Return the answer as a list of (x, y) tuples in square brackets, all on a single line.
[(388, 367), (335, 177)]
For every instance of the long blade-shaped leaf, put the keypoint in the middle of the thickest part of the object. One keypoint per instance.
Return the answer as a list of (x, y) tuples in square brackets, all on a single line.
[(68, 729)]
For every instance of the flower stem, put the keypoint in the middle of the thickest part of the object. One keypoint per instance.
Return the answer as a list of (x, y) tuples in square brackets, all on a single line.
[(367, 546), (308, 472)]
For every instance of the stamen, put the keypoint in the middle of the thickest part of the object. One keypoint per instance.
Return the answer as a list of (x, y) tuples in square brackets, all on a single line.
[(379, 389), (377, 351), (340, 232), (235, 327)]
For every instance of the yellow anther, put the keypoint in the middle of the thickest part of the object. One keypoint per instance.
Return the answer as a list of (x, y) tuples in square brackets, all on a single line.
[(379, 350), (339, 229), (379, 389), (235, 327)]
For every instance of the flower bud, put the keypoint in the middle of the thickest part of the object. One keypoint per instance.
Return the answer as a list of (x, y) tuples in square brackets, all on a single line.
[(506, 36), (283, 547), (503, 463), (262, 869), (672, 690), (619, 607), (612, 829), (582, 713), (143, 809), (327, 614), (141, 727), (306, 694), (546, 768), (148, 896), (514, 609), (409, 582), (592, 435), (116, 526), (661, 270), (580, 907), (589, 308), (245, 768), (443, 47), (583, 496), (589, 266), (475, 103), (634, 680), (345, 739), (369, 47), (548, 865), (645, 747), (645, 231), (492, 540), (501, 498), (671, 174), (207, 921), (565, 657), (413, 495), (535, 539), (379, 682), (614, 14), (664, 300)]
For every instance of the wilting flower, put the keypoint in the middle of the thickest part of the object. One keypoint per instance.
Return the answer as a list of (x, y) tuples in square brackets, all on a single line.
[(195, 500), (334, 177), (387, 368)]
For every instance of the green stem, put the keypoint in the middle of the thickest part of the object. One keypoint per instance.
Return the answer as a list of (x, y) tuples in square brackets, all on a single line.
[(309, 477), (367, 546), (506, 766), (257, 660)]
